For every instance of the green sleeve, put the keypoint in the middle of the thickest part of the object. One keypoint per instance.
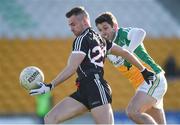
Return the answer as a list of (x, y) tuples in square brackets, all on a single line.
[(142, 54)]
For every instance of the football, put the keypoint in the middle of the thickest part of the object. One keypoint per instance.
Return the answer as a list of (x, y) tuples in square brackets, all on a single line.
[(30, 76)]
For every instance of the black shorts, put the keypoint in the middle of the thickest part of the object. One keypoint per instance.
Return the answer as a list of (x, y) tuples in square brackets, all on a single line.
[(93, 91)]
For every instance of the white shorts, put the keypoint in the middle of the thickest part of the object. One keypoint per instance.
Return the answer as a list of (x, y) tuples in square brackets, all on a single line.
[(157, 90)]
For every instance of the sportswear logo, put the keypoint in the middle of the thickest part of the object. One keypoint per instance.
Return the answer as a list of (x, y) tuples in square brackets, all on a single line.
[(115, 60), (96, 102), (123, 42), (43, 92)]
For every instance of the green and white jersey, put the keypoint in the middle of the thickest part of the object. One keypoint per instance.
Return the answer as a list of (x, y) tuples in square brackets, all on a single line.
[(122, 40)]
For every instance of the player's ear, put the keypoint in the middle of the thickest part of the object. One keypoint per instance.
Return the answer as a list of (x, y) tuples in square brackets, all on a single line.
[(85, 22), (115, 27)]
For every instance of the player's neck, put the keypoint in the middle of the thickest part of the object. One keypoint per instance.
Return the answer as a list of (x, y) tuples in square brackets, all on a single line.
[(85, 28), (114, 36)]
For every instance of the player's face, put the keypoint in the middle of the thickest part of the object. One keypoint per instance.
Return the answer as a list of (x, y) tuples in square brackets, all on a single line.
[(106, 30), (76, 25)]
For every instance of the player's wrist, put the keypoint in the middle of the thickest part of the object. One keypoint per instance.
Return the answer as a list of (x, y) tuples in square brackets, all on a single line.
[(51, 86)]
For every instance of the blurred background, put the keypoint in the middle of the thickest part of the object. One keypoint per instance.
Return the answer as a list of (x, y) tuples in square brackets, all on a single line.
[(35, 32)]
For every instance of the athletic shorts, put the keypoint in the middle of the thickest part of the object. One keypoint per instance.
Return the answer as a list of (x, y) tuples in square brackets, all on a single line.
[(157, 90), (93, 91)]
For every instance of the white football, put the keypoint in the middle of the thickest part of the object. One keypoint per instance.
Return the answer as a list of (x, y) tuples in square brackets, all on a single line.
[(30, 76)]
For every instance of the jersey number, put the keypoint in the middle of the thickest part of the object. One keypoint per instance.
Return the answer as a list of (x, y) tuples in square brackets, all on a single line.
[(98, 59)]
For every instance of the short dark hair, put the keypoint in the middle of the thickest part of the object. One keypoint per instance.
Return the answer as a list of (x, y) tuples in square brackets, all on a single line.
[(106, 17), (77, 11)]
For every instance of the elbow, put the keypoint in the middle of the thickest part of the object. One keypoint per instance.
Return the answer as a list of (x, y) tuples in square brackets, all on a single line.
[(141, 33), (125, 53), (72, 68)]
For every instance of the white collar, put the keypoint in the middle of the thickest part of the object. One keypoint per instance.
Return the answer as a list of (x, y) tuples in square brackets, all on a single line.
[(115, 37)]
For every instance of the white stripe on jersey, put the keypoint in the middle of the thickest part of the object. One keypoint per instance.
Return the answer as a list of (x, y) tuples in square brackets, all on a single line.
[(76, 43), (89, 56), (79, 52), (82, 70), (79, 41)]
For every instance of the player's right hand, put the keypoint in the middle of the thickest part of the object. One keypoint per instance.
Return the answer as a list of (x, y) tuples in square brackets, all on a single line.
[(44, 88)]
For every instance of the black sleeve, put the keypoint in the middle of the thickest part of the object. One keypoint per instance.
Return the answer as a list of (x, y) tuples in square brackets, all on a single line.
[(109, 45), (80, 45)]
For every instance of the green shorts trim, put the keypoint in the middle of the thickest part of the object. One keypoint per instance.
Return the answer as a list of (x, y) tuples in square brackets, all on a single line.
[(154, 86)]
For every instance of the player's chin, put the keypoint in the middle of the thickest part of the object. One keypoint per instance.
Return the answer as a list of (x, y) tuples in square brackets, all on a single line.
[(105, 37), (76, 34)]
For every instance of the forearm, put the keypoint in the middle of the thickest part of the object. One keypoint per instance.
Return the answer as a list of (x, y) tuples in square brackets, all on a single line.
[(130, 57), (133, 60), (73, 62), (65, 74)]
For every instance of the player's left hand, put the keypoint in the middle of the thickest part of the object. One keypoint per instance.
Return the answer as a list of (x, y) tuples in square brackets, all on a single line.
[(149, 76), (44, 88)]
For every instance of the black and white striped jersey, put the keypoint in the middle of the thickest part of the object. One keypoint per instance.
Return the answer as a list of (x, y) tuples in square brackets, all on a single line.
[(95, 48)]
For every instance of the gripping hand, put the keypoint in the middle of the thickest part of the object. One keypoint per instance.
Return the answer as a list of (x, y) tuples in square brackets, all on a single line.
[(44, 88)]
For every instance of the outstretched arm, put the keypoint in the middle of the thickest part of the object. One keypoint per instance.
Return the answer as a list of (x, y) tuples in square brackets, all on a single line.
[(117, 50), (149, 76), (74, 61)]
